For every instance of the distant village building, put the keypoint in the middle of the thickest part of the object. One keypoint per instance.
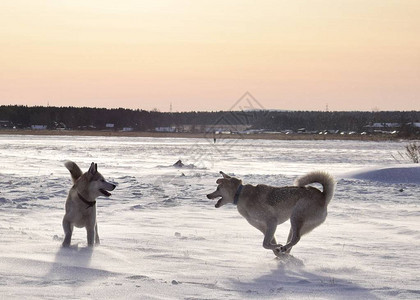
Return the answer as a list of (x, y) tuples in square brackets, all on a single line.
[(5, 124), (127, 129), (38, 127), (214, 128), (88, 127), (60, 126), (382, 127), (165, 129), (109, 125)]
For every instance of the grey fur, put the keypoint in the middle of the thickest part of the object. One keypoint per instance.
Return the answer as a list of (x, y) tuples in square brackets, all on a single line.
[(87, 187), (264, 207)]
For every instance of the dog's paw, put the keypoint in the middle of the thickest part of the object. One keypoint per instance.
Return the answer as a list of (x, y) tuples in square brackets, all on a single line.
[(278, 252)]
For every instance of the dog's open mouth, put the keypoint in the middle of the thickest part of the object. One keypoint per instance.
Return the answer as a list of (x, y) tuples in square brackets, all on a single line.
[(105, 193), (212, 196), (219, 203)]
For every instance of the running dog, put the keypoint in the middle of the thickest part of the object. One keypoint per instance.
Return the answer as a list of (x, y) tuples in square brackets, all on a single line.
[(264, 207), (81, 203)]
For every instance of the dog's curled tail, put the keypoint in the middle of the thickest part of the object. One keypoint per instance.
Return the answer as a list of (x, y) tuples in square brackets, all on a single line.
[(74, 170), (326, 180)]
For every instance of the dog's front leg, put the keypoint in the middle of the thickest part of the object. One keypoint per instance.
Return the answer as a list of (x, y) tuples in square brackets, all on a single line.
[(68, 230), (96, 235), (294, 235), (269, 239), (277, 251), (90, 235)]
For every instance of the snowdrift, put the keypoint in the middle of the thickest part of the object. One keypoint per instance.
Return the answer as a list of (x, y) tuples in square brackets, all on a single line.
[(409, 174)]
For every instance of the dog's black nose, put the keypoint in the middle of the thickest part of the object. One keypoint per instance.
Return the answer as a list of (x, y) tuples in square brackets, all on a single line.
[(208, 196)]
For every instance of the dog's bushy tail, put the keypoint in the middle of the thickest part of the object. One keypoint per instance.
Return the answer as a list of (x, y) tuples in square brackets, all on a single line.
[(326, 180), (74, 170)]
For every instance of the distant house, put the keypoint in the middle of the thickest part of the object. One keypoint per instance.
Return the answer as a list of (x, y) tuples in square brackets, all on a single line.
[(165, 129), (214, 128), (127, 129), (38, 127), (382, 127), (60, 126), (5, 124), (109, 125), (88, 127)]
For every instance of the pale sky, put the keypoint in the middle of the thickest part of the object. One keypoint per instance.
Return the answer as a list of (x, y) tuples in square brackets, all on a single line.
[(204, 55)]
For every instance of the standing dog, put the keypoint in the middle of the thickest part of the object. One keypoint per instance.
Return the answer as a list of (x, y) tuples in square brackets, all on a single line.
[(81, 203), (264, 207)]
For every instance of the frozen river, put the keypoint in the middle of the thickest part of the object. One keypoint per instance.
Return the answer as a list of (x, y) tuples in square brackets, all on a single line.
[(163, 239)]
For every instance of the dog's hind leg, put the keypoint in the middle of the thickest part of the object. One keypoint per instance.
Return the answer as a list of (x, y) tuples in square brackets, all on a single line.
[(289, 238), (68, 230), (298, 229), (96, 235)]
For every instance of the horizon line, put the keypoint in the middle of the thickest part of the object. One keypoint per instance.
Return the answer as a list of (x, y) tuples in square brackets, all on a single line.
[(204, 111)]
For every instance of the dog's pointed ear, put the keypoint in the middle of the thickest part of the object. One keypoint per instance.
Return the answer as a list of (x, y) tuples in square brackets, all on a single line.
[(220, 180), (93, 169), (225, 175)]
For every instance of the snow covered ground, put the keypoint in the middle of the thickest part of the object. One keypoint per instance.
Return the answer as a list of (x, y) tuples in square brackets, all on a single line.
[(161, 238)]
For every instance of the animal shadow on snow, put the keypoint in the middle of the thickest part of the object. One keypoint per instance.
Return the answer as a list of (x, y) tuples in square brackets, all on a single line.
[(290, 277), (71, 266)]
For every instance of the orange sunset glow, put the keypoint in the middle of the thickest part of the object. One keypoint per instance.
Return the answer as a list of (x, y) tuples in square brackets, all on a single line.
[(204, 55)]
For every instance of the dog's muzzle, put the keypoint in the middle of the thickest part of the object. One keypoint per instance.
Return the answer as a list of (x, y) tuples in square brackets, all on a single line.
[(106, 193), (218, 204)]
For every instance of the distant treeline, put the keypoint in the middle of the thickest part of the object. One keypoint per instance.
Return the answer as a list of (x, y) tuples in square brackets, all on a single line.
[(141, 120)]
